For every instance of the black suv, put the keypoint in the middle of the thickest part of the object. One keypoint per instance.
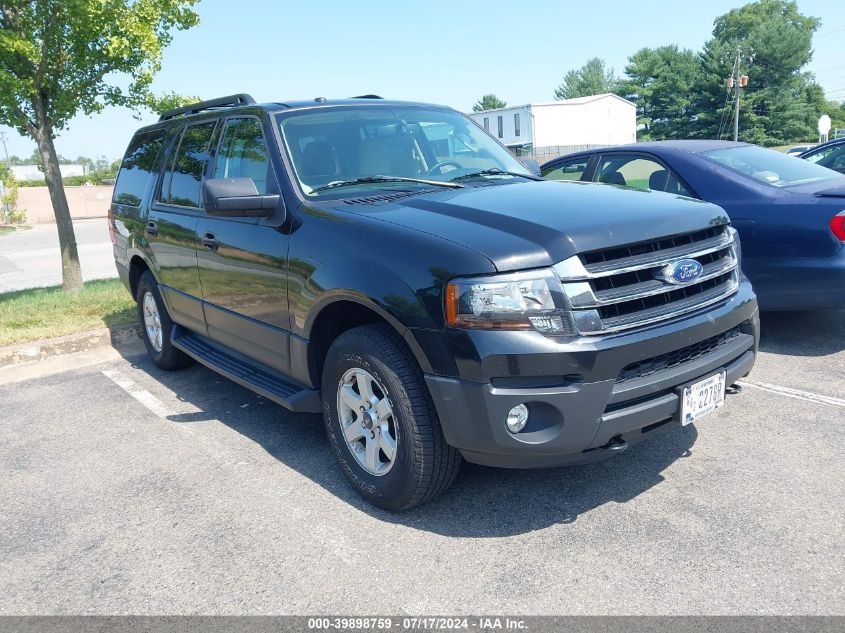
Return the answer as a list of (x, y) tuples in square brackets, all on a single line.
[(394, 267)]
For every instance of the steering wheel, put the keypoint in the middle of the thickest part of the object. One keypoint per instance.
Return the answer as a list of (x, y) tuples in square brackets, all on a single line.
[(437, 169)]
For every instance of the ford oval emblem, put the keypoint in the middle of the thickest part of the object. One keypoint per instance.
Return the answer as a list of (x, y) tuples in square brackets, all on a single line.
[(683, 271)]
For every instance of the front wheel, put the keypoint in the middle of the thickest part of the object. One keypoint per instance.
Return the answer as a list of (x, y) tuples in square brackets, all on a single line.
[(381, 421), (156, 326)]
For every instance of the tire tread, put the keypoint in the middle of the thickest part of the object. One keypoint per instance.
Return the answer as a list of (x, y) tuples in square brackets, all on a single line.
[(436, 463)]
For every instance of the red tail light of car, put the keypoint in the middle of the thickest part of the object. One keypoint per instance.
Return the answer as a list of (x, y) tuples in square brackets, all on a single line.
[(837, 225)]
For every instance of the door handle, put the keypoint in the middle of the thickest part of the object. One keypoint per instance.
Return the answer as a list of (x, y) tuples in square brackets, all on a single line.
[(210, 241), (151, 229)]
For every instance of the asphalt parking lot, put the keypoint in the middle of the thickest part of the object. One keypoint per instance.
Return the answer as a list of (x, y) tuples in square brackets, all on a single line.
[(131, 490)]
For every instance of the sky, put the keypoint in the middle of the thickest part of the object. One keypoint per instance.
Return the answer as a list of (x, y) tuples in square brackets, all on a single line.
[(447, 52)]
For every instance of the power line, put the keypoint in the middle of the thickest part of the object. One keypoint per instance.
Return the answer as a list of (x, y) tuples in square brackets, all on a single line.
[(723, 118), (729, 114), (839, 30), (821, 70)]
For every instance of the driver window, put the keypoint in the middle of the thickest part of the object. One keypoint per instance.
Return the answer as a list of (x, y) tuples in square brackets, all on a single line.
[(832, 157), (568, 170), (243, 153)]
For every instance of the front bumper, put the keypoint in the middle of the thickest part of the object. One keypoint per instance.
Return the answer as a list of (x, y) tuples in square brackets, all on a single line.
[(582, 405)]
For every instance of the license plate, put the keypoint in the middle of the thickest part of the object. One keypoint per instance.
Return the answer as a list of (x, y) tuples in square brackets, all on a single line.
[(702, 397)]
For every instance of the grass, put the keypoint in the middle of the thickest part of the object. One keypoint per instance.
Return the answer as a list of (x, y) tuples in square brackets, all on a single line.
[(28, 315), (783, 148)]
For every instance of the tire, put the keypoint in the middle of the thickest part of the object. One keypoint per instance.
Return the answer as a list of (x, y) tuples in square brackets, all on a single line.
[(423, 464), (161, 350)]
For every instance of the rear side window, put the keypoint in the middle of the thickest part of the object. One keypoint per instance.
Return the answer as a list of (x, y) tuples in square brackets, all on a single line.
[(243, 153), (638, 172), (138, 166), (181, 185)]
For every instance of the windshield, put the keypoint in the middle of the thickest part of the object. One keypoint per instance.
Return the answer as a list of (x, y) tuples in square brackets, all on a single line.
[(769, 166), (347, 146)]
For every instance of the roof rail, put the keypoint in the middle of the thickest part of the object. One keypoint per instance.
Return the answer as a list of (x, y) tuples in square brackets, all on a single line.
[(221, 102), (367, 97)]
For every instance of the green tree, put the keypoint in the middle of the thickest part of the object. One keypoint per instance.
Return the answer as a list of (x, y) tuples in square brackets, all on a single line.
[(781, 103), (836, 112), (168, 101), (488, 102), (592, 78), (662, 82), (62, 57)]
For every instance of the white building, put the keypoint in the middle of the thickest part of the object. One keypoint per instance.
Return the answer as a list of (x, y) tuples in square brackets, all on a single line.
[(539, 128), (31, 172)]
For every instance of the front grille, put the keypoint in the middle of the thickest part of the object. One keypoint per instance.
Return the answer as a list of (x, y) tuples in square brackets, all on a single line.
[(625, 308), (649, 366), (623, 287)]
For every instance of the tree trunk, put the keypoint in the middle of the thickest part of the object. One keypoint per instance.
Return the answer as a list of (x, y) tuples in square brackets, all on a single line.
[(71, 270)]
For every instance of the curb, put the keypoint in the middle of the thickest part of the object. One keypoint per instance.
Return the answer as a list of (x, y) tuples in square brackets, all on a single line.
[(33, 351)]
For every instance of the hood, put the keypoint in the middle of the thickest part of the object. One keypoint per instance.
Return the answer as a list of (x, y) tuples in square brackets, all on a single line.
[(535, 224)]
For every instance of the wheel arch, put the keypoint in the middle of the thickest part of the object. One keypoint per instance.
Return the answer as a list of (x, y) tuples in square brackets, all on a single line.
[(339, 312), (137, 266)]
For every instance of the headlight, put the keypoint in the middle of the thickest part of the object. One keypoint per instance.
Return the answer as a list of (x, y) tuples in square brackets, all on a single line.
[(516, 301)]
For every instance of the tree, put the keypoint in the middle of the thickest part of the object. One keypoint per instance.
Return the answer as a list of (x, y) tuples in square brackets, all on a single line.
[(168, 101), (662, 82), (836, 112), (62, 57), (488, 102), (592, 78), (781, 103)]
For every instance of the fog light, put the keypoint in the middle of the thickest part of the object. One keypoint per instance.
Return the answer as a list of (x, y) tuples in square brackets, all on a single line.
[(517, 418)]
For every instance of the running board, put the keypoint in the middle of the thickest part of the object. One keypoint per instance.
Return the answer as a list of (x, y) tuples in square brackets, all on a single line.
[(261, 379)]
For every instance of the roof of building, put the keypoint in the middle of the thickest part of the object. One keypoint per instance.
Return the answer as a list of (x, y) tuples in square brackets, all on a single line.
[(563, 102)]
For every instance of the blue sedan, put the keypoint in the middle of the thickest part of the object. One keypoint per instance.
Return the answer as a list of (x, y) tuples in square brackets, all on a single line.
[(790, 213)]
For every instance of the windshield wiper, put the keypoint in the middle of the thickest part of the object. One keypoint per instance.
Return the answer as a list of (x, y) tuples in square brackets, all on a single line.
[(495, 171), (377, 179)]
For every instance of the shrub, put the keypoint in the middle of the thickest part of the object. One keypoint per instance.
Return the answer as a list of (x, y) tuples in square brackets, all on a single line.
[(9, 211)]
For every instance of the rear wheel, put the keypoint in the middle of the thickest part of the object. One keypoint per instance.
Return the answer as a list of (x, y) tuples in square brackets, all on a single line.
[(156, 326), (381, 421)]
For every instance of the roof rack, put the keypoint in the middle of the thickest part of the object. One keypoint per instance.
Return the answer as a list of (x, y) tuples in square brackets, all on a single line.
[(367, 97), (221, 102)]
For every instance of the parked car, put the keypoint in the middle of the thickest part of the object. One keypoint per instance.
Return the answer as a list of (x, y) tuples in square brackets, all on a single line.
[(394, 267), (798, 149), (788, 212), (830, 155)]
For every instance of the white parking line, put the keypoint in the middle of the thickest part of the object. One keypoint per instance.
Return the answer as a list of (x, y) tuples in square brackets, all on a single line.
[(141, 395), (808, 396)]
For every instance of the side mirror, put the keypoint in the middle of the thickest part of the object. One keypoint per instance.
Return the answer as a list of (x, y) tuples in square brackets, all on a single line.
[(532, 165), (237, 198)]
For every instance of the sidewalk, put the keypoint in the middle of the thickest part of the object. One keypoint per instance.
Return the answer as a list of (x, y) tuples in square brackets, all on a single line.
[(29, 259)]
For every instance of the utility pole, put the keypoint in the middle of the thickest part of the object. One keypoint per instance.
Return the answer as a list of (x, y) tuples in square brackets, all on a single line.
[(5, 207), (736, 82)]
